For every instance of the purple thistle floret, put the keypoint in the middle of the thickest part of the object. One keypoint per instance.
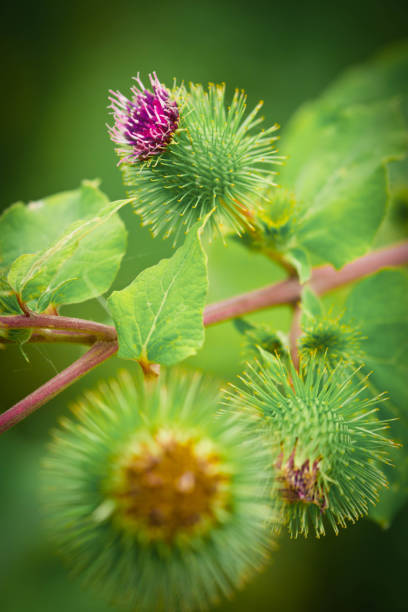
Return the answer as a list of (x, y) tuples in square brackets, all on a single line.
[(145, 124), (301, 483)]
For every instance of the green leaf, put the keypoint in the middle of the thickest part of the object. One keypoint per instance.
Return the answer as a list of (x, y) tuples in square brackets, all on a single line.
[(364, 86), (62, 250), (311, 306), (395, 227), (300, 260), (8, 300), (243, 327), (35, 226), (159, 316), (19, 336), (384, 77), (378, 304), (336, 169)]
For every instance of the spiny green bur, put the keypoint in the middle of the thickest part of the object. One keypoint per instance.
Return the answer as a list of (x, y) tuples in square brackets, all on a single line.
[(330, 340), (327, 446), (156, 501), (216, 160)]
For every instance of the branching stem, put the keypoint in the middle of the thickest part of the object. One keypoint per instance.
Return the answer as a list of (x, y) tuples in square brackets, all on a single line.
[(98, 353), (323, 279), (103, 338), (31, 320)]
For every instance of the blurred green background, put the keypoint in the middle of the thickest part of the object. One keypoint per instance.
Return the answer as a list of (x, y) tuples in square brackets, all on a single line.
[(59, 59)]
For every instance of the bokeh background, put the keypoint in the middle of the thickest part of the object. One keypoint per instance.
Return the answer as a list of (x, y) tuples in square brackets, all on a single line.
[(59, 59)]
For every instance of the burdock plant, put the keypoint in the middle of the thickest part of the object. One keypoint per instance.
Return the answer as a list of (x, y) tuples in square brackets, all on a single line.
[(158, 493), (328, 448)]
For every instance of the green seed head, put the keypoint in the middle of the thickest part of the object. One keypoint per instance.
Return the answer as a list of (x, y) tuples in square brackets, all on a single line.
[(261, 336), (327, 446), (156, 498), (279, 209), (330, 341), (217, 160), (275, 226)]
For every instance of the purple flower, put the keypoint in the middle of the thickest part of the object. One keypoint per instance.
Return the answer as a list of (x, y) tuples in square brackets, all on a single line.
[(145, 124), (301, 483)]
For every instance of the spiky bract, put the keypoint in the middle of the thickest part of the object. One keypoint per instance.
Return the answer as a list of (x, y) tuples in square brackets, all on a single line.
[(156, 498), (216, 160), (262, 336), (327, 445), (275, 227), (331, 341)]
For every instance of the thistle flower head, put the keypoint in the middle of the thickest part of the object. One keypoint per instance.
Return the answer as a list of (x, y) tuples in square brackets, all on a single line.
[(277, 223), (280, 208), (144, 125), (155, 498), (261, 336), (331, 341), (168, 485), (218, 159), (327, 445)]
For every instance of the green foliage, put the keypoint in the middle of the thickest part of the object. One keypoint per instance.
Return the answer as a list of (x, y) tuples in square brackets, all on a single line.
[(311, 305), (159, 315), (327, 447), (218, 536), (384, 77), (338, 148), (395, 227), (299, 259), (378, 305), (8, 300), (62, 250), (158, 496), (336, 167)]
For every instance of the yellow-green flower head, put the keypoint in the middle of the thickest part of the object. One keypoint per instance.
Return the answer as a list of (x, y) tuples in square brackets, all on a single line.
[(280, 208), (214, 157), (327, 446), (155, 498), (275, 226), (331, 341)]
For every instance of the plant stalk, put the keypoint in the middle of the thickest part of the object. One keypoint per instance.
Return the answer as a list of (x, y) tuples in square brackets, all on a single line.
[(323, 279), (32, 320), (99, 352), (55, 328)]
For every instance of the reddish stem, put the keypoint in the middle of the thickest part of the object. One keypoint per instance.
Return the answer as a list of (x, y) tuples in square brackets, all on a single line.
[(285, 292), (289, 291), (96, 355), (58, 335), (22, 305), (56, 328), (327, 278), (32, 320), (323, 279)]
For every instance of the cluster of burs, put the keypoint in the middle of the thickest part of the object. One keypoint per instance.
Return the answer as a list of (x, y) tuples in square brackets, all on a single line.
[(169, 493)]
